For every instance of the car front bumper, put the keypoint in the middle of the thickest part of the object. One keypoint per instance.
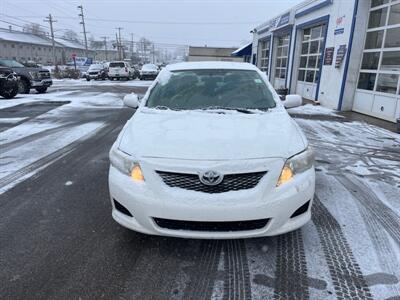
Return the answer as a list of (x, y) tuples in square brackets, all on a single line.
[(149, 76), (154, 199), (41, 83)]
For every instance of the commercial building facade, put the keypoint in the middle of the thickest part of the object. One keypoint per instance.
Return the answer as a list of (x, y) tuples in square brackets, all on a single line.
[(212, 54), (345, 54), (23, 46)]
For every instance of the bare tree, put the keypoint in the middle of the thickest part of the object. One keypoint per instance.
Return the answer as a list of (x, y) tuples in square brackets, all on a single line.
[(34, 28), (70, 35)]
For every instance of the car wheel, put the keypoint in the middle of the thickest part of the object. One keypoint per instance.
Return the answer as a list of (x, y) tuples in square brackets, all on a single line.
[(87, 79), (41, 90), (10, 91), (23, 86)]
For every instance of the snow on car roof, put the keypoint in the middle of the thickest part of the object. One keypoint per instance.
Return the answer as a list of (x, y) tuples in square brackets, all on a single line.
[(210, 65)]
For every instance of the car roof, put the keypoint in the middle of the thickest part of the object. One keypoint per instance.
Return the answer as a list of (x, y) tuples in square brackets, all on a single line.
[(211, 65)]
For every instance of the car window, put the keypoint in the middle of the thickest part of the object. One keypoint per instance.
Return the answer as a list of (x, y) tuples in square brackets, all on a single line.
[(96, 67), (117, 65), (200, 89), (149, 67), (10, 63)]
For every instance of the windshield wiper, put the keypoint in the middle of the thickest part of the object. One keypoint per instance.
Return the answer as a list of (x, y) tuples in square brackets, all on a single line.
[(163, 107), (238, 109)]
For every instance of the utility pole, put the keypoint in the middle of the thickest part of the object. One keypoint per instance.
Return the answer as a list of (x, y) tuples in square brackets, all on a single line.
[(153, 55), (50, 20), (131, 46), (120, 49), (84, 28), (116, 38), (105, 46)]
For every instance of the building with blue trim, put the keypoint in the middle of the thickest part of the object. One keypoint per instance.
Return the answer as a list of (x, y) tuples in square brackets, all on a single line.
[(344, 54)]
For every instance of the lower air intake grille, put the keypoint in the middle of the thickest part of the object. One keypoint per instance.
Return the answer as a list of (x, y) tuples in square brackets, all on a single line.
[(211, 226), (231, 182)]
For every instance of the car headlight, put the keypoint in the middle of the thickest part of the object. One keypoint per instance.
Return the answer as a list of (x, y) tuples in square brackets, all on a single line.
[(34, 75), (296, 165), (125, 164)]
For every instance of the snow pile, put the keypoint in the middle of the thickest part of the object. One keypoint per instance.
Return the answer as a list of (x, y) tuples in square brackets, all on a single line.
[(310, 109)]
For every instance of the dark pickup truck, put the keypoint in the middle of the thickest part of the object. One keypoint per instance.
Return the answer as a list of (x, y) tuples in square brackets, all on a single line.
[(29, 77)]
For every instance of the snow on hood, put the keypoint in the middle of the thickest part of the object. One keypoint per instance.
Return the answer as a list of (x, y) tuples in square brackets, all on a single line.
[(211, 136)]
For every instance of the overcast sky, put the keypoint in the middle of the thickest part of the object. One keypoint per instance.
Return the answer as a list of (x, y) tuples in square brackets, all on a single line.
[(189, 22)]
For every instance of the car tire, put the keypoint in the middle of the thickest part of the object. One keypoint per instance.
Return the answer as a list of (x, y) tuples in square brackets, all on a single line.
[(10, 91), (87, 79), (23, 86), (41, 90)]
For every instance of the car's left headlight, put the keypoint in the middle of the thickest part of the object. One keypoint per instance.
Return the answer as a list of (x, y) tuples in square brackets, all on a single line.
[(125, 164), (296, 165)]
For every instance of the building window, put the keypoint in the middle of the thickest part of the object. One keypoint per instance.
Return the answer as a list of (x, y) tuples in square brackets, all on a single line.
[(264, 48), (380, 65), (312, 46), (12, 45), (282, 56)]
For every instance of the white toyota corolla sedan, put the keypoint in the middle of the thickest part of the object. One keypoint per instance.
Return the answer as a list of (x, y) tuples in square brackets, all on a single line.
[(211, 153)]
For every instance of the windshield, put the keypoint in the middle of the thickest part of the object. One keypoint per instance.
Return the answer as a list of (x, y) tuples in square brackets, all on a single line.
[(150, 67), (207, 89), (10, 63), (117, 65), (96, 67)]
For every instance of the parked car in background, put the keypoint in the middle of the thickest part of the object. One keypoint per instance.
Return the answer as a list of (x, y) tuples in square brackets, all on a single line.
[(119, 69), (29, 77), (135, 71), (97, 71), (149, 71), (8, 83), (203, 180)]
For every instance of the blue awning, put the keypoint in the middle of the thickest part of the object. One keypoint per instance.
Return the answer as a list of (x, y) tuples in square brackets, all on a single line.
[(243, 51)]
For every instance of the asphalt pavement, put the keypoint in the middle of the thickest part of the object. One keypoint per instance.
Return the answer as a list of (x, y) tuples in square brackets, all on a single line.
[(59, 241)]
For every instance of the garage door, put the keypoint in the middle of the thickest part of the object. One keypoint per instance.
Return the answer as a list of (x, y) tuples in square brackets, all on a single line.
[(312, 46), (378, 87), (281, 60)]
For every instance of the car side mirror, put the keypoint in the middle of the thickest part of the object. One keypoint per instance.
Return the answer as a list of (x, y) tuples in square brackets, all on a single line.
[(292, 101), (131, 100)]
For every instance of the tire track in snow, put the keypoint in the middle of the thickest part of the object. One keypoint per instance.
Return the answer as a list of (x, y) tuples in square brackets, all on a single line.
[(201, 287), (375, 207), (348, 280), (237, 275), (30, 138), (48, 159), (386, 255), (291, 279)]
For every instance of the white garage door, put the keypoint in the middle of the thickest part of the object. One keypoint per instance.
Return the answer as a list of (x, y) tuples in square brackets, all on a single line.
[(281, 60), (312, 45), (378, 88)]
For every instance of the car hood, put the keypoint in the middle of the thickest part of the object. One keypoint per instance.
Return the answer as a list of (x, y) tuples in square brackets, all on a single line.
[(21, 70), (211, 136)]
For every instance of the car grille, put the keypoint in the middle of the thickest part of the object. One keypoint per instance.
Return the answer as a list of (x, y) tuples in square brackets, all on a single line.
[(44, 75), (211, 226), (231, 182), (93, 73)]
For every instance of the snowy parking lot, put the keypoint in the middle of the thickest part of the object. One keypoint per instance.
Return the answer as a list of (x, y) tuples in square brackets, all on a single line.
[(58, 240)]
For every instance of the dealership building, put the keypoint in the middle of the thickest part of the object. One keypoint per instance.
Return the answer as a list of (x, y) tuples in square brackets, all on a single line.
[(344, 54)]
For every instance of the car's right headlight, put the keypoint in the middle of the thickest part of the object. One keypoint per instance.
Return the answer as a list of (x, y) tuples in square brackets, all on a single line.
[(125, 164), (34, 75), (296, 165)]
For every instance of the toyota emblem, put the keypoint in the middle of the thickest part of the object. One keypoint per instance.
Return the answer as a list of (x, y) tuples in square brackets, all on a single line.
[(211, 178)]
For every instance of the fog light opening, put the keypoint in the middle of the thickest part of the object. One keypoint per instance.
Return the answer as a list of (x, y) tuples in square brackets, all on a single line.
[(301, 210), (122, 209)]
